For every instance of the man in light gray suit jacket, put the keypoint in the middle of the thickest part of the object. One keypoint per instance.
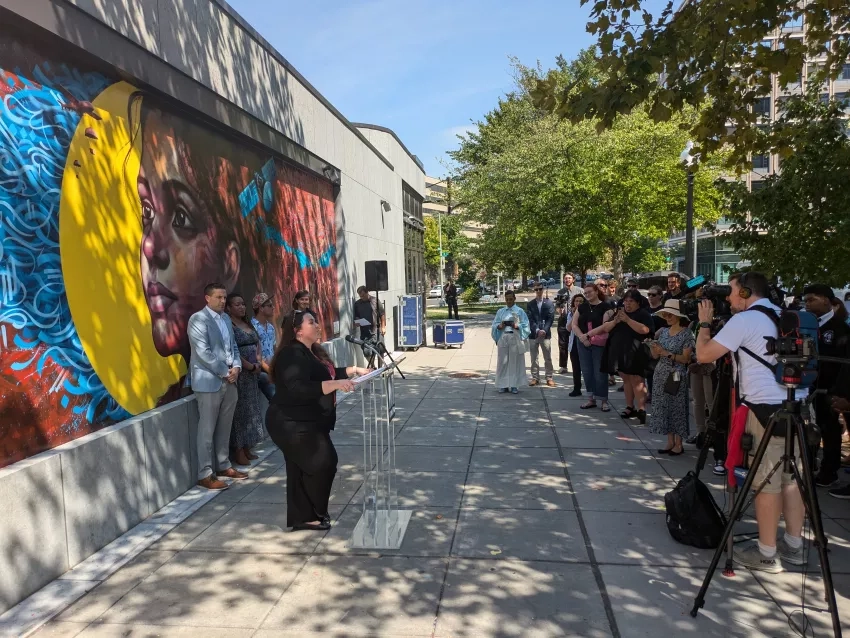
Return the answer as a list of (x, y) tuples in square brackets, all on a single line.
[(215, 366)]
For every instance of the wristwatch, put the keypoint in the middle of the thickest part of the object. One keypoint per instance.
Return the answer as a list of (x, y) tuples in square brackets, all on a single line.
[(705, 324)]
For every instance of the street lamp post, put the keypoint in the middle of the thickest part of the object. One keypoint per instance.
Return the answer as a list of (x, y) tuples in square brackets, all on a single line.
[(690, 162)]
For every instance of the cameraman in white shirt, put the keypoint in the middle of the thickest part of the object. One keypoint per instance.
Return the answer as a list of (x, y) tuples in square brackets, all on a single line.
[(757, 386)]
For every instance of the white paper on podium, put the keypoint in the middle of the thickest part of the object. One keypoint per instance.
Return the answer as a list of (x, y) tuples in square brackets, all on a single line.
[(362, 322)]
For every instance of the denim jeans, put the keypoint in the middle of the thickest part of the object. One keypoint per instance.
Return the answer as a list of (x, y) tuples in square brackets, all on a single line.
[(595, 381), (266, 386)]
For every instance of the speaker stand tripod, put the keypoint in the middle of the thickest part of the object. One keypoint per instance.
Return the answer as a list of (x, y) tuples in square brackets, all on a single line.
[(789, 416)]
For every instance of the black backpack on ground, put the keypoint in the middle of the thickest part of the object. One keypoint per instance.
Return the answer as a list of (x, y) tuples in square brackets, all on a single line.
[(693, 517)]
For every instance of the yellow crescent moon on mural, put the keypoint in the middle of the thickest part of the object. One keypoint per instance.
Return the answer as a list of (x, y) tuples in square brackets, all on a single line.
[(100, 231)]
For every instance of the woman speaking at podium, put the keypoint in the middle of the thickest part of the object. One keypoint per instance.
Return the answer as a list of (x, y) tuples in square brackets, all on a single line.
[(301, 415)]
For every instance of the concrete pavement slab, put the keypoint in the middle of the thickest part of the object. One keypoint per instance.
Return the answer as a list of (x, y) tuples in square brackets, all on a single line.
[(639, 539), (429, 533), (208, 589), (91, 606), (510, 491), (636, 493), (519, 461), (428, 489), (192, 527), (135, 630), (256, 528), (787, 590), (548, 535), (515, 437), (507, 418), (610, 462), (362, 596), (432, 459), (522, 599), (458, 436), (598, 438), (656, 601), (57, 629)]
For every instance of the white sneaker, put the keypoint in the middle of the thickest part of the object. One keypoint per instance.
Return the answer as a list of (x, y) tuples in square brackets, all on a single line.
[(788, 554), (562, 371), (752, 558), (719, 470)]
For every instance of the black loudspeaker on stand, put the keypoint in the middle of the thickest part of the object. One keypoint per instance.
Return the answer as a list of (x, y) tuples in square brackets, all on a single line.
[(377, 277), (788, 417)]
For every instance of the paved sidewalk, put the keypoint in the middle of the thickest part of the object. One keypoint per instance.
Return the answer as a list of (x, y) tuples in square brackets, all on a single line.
[(531, 517)]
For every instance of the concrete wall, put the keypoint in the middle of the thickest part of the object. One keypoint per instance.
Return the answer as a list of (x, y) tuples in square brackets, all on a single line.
[(61, 506)]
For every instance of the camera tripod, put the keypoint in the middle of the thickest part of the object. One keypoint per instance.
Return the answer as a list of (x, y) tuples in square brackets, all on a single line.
[(795, 430)]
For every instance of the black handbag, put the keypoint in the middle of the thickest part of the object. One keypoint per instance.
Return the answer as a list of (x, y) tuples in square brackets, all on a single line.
[(672, 384)]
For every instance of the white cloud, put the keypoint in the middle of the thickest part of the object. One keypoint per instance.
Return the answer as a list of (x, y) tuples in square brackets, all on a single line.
[(450, 134)]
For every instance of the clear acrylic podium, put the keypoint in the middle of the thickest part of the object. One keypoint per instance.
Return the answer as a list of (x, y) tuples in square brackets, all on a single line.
[(382, 525)]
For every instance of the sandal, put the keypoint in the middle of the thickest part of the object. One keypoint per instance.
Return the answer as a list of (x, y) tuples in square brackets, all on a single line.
[(672, 453), (589, 405), (605, 407), (629, 412)]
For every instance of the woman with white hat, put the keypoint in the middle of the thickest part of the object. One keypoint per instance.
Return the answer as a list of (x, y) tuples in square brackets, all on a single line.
[(673, 348)]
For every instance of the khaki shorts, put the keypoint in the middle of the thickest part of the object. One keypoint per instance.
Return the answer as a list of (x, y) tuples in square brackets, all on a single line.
[(772, 456)]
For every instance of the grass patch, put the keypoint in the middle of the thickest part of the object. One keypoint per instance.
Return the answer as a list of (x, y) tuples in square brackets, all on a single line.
[(467, 310)]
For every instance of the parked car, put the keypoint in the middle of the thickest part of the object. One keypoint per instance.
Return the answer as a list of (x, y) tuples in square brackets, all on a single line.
[(435, 292)]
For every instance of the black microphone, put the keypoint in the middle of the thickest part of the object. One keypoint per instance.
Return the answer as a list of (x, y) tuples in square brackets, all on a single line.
[(355, 340)]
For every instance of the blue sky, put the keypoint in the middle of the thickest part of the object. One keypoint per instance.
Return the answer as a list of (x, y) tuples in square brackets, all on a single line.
[(425, 70)]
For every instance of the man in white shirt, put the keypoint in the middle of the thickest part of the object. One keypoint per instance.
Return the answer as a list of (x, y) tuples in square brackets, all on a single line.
[(757, 386), (215, 364)]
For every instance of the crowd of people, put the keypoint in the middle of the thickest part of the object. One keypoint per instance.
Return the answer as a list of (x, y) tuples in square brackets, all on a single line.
[(236, 358), (605, 329)]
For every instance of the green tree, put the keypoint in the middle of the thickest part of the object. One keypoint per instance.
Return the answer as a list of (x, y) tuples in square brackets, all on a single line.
[(455, 243), (713, 56), (552, 192), (645, 256), (796, 227)]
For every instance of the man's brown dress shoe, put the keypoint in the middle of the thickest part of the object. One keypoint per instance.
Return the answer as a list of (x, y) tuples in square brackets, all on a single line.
[(232, 473), (533, 382), (213, 484), (550, 383)]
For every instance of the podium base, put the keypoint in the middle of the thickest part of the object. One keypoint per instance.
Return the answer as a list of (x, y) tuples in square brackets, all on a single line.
[(386, 532)]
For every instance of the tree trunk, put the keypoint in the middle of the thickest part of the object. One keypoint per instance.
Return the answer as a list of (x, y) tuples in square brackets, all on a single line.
[(524, 281), (617, 257)]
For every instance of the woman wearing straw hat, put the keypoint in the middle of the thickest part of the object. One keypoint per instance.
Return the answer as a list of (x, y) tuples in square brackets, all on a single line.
[(673, 348)]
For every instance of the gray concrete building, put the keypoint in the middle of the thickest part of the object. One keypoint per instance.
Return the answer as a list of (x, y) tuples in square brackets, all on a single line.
[(161, 146)]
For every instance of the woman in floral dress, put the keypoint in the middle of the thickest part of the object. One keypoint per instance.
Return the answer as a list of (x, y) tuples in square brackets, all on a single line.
[(673, 348), (247, 428)]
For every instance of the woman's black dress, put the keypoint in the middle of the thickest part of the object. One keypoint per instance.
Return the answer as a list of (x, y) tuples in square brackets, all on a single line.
[(624, 351), (299, 420)]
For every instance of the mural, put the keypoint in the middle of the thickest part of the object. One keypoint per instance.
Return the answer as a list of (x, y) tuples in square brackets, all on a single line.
[(115, 210)]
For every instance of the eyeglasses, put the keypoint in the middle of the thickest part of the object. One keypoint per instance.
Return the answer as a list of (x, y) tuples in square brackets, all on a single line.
[(652, 294), (633, 286)]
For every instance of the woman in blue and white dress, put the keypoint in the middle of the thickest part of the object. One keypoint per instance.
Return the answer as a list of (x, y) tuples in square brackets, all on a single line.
[(510, 332)]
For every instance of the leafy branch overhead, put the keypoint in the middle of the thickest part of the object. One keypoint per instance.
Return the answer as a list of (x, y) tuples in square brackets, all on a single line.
[(710, 55), (796, 227)]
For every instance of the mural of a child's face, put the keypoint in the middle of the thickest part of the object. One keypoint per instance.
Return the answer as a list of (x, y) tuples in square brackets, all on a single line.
[(181, 248)]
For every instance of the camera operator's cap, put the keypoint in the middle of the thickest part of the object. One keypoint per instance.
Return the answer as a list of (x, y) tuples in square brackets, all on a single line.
[(259, 300), (672, 307), (821, 290)]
